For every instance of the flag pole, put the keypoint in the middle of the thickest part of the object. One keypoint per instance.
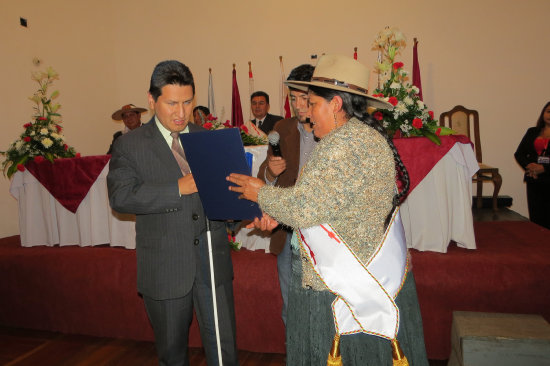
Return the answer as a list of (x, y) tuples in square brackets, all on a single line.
[(250, 87), (213, 286)]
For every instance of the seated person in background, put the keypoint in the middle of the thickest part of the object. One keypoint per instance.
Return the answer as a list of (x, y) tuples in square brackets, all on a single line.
[(199, 115), (259, 103), (131, 116)]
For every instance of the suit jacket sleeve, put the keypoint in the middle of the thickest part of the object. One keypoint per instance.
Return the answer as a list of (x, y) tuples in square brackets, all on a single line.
[(131, 189)]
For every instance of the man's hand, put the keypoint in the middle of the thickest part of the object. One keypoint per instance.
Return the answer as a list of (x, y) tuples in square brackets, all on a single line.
[(275, 166), (187, 184)]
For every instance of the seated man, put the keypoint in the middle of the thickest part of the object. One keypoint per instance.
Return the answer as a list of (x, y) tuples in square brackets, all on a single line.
[(131, 116), (259, 102)]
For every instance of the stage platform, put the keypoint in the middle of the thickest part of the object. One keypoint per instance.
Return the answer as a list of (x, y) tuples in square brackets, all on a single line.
[(91, 290)]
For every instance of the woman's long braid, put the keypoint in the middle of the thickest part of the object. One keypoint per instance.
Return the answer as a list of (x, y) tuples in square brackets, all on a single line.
[(402, 173)]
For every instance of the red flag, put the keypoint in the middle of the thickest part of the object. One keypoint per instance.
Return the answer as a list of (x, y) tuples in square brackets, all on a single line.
[(287, 108), (355, 53), (236, 109), (416, 69)]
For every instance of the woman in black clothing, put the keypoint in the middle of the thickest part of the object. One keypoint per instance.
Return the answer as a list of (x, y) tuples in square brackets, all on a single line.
[(533, 154)]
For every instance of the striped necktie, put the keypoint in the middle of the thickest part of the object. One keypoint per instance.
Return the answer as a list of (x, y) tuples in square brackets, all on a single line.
[(177, 150)]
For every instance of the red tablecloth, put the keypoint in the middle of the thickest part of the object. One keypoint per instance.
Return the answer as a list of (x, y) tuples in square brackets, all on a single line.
[(420, 154), (69, 180)]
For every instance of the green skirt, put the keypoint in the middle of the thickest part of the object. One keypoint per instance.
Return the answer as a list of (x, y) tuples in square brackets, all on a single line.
[(310, 328)]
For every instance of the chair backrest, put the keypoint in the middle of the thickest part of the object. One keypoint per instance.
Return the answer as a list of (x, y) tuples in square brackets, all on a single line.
[(465, 122)]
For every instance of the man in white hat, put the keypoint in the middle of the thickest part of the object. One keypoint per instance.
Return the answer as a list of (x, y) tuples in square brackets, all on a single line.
[(131, 116)]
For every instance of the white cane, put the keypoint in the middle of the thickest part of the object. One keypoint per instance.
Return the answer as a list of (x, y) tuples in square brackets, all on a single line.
[(213, 285)]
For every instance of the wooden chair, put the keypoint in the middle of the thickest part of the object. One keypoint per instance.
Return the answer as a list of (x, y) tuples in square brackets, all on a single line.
[(465, 121)]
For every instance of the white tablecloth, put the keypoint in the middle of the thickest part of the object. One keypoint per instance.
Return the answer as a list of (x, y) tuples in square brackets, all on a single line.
[(44, 221), (437, 211)]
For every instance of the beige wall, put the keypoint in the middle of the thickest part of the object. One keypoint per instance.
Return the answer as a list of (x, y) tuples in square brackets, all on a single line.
[(488, 55)]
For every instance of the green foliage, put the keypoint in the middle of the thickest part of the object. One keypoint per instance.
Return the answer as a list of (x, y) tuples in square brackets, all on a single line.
[(42, 138)]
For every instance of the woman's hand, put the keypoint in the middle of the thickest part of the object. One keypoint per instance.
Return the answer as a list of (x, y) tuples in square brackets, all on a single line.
[(248, 186), (266, 223), (533, 170)]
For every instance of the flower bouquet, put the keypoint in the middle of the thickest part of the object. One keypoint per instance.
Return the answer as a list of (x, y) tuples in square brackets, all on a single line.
[(409, 116), (247, 138), (42, 138)]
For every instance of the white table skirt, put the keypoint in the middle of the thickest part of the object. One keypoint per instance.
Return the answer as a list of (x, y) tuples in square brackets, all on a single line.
[(439, 209), (44, 221)]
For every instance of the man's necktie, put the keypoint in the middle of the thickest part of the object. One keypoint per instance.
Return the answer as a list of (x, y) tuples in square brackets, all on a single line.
[(177, 150)]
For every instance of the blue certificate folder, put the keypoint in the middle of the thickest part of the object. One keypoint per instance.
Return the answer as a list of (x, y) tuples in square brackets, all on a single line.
[(212, 156)]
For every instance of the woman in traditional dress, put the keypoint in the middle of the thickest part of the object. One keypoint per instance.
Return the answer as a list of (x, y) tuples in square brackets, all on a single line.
[(348, 190)]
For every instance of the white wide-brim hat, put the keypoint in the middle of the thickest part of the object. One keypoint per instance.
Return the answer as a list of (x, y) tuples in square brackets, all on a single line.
[(342, 73)]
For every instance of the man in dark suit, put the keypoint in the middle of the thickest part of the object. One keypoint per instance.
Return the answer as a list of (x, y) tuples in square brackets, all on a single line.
[(259, 102), (130, 115), (296, 143), (149, 176)]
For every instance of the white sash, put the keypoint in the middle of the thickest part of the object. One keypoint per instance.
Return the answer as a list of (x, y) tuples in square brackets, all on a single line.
[(365, 293)]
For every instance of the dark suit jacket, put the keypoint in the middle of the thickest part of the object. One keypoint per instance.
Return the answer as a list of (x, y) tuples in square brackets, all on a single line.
[(116, 135), (142, 179), (290, 151), (268, 123), (526, 154)]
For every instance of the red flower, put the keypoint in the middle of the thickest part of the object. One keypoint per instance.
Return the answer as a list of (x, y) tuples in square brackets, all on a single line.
[(378, 116), (438, 131), (244, 129), (20, 167), (431, 113), (27, 139), (397, 65), (417, 123), (207, 125), (228, 236), (42, 119), (27, 125), (378, 95), (59, 128), (210, 117), (38, 159), (227, 123), (77, 155), (393, 101), (65, 147)]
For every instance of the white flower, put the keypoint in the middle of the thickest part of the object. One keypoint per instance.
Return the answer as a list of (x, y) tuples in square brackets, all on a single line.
[(415, 89), (32, 133), (400, 109), (420, 104), (395, 85), (47, 142), (44, 131), (56, 136), (18, 144), (408, 101), (385, 124)]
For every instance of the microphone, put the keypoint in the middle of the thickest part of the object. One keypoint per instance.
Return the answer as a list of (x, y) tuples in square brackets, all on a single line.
[(273, 139)]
